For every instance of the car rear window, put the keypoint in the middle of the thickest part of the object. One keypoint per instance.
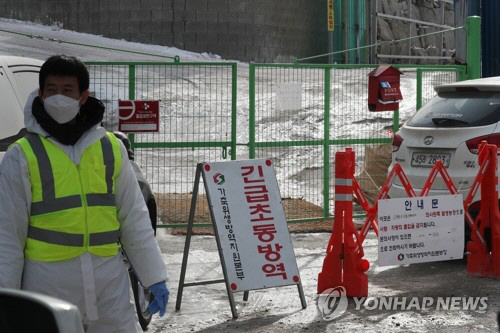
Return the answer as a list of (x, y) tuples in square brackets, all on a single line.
[(459, 109)]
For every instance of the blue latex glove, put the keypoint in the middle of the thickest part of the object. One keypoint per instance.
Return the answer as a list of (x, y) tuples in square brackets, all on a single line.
[(159, 303)]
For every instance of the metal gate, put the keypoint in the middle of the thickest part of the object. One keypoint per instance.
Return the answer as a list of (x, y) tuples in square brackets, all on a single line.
[(333, 115), (197, 121)]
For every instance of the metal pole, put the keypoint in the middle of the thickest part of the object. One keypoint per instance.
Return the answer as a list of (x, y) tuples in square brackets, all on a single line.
[(234, 86), (395, 121), (345, 27), (409, 30), (188, 236), (443, 4), (330, 47), (326, 145), (131, 96), (473, 31), (251, 112), (419, 89), (301, 295), (351, 31)]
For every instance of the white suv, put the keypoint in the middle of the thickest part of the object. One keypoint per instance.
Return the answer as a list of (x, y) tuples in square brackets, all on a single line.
[(449, 128), (18, 79)]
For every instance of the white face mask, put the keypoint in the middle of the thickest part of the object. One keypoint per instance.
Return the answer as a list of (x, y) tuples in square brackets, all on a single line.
[(61, 108)]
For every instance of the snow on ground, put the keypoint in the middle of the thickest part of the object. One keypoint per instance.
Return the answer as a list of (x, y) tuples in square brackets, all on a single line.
[(12, 44)]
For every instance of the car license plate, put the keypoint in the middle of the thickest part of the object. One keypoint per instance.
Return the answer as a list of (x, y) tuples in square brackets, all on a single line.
[(428, 159)]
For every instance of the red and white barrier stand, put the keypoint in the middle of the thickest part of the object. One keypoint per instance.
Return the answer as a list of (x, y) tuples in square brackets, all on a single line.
[(484, 257), (344, 264)]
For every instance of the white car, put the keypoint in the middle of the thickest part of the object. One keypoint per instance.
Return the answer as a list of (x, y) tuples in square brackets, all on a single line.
[(18, 79), (449, 128)]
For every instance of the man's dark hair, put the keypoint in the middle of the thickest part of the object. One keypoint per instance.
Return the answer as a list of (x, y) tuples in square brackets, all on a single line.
[(63, 65)]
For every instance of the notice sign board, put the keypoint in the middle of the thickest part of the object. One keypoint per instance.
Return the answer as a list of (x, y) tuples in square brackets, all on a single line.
[(420, 229), (250, 224), (138, 116)]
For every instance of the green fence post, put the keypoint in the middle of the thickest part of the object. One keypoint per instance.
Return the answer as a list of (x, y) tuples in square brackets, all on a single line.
[(326, 146), (462, 75), (251, 112), (131, 96), (473, 32), (234, 87), (419, 88), (395, 121)]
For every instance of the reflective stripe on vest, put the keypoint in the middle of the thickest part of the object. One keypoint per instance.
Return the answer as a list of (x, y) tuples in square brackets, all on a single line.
[(52, 204), (73, 208), (63, 238), (49, 203)]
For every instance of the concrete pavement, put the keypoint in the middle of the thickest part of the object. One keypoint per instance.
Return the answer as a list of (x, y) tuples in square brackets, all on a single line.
[(206, 308)]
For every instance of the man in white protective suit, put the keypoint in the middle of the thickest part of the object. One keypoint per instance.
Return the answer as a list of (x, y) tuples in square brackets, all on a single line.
[(68, 197)]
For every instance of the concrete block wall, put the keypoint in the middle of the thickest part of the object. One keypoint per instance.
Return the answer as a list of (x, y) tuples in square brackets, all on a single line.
[(247, 30)]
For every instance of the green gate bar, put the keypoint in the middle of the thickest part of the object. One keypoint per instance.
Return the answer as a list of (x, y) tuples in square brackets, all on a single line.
[(326, 147), (131, 96)]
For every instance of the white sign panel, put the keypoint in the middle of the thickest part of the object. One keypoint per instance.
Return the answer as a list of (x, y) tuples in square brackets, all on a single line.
[(420, 229), (251, 225), (289, 96)]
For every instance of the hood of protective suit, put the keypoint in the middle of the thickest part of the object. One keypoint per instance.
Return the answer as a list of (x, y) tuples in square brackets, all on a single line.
[(36, 120)]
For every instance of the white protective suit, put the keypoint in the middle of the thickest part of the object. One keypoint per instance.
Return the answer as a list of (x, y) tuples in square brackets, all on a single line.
[(99, 286)]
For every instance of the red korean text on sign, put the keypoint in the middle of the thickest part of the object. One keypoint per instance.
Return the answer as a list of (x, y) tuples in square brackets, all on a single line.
[(257, 198)]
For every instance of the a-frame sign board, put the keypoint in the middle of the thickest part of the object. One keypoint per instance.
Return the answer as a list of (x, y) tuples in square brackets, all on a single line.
[(250, 228)]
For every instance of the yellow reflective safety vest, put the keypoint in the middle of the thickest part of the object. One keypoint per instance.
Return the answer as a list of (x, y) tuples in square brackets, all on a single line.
[(73, 206)]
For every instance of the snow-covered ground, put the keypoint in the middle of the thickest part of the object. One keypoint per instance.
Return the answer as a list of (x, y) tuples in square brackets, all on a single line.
[(41, 48)]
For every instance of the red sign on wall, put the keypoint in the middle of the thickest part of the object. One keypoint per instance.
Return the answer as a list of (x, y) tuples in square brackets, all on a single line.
[(138, 116)]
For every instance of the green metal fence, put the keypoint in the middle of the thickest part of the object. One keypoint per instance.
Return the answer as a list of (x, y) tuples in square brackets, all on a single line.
[(197, 122), (334, 115)]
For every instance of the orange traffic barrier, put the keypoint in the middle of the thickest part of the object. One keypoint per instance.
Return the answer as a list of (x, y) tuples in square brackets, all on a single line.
[(344, 264), (484, 259)]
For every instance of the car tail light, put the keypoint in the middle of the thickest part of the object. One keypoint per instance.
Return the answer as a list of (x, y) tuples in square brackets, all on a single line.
[(397, 140), (473, 144)]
